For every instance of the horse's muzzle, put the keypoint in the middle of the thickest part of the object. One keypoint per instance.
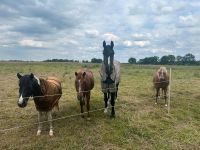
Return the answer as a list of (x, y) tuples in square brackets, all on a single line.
[(23, 104)]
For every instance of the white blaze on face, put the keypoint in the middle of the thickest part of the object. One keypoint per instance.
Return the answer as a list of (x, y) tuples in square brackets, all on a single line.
[(20, 100), (79, 86), (162, 75)]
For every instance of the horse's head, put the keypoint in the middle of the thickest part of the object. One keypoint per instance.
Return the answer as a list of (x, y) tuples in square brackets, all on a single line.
[(162, 74), (80, 84), (108, 56), (27, 86)]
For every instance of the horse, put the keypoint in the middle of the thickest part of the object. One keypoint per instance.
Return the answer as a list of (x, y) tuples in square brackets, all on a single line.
[(45, 92), (161, 81), (110, 76), (84, 83)]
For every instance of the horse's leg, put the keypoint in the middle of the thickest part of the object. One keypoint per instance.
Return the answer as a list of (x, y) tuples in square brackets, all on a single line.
[(49, 114), (116, 91), (108, 97), (157, 93), (88, 104), (39, 123), (113, 104), (81, 104), (106, 102), (165, 96)]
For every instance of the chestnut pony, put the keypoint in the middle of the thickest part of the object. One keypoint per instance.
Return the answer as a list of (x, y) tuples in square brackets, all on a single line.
[(84, 83), (161, 81)]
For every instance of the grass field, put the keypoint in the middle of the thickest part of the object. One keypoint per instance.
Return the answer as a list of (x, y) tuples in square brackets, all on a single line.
[(139, 125)]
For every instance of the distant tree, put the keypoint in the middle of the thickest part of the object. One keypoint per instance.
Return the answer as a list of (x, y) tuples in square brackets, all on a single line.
[(85, 61), (179, 60), (95, 60), (189, 59), (167, 60), (172, 59), (164, 60), (149, 60), (132, 60)]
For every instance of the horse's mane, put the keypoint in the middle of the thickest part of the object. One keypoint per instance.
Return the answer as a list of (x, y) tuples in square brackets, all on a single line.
[(162, 68)]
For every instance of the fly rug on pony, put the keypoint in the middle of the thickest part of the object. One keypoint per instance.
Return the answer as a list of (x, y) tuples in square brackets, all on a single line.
[(161, 82), (45, 92), (84, 83), (110, 76)]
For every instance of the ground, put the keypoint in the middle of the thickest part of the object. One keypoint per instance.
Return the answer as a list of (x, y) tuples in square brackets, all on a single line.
[(139, 123)]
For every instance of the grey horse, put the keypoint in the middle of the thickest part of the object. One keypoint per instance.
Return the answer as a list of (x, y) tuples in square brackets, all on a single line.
[(110, 76)]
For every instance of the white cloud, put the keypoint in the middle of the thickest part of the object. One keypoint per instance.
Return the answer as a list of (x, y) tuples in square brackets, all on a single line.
[(160, 50), (110, 37), (33, 43), (128, 43), (92, 33), (167, 9), (136, 43), (142, 36), (188, 21)]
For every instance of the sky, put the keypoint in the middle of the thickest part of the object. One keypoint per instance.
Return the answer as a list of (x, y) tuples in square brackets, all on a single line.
[(75, 29)]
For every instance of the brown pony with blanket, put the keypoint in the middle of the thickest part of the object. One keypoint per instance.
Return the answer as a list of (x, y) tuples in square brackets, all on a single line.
[(84, 83), (161, 81), (45, 92)]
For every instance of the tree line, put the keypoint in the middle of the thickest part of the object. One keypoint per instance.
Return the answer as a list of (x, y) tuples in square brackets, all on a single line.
[(93, 60), (188, 59)]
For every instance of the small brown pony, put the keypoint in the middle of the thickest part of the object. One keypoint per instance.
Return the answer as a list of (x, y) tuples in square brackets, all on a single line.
[(161, 81), (45, 92), (84, 83)]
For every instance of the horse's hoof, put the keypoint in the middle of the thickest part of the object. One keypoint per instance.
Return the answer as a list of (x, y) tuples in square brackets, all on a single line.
[(105, 110), (165, 105), (112, 116), (50, 133), (155, 103), (38, 132)]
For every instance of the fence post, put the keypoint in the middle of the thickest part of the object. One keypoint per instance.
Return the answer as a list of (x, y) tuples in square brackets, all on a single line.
[(169, 99)]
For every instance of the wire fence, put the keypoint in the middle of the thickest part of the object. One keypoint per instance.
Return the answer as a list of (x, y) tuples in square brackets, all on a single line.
[(95, 110), (51, 95), (62, 118)]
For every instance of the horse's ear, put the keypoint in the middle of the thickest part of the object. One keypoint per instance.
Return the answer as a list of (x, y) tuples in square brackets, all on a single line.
[(19, 75), (31, 76), (84, 73), (112, 44), (104, 44), (76, 73)]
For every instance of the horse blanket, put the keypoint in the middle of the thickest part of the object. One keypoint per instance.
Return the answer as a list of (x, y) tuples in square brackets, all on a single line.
[(115, 76)]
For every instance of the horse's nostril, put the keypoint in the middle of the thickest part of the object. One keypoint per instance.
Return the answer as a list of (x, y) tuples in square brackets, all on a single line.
[(19, 104)]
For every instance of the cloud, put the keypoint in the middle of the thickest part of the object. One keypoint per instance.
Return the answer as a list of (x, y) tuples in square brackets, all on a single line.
[(110, 37), (136, 43), (33, 43), (188, 21), (76, 29), (161, 50), (92, 33)]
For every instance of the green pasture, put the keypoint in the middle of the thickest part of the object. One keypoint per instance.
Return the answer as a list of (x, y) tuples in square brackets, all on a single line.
[(139, 123)]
